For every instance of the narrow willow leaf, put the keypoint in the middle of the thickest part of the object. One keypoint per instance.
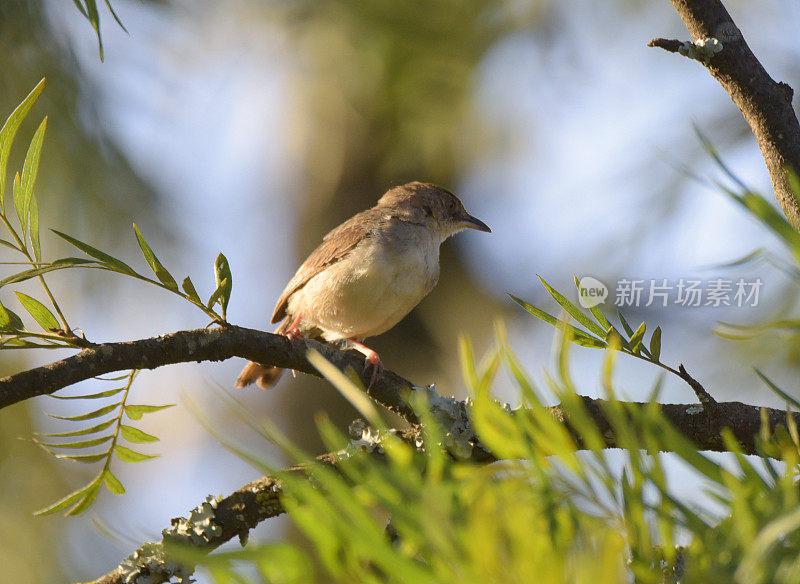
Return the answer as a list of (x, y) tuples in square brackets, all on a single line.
[(128, 455), (573, 310), (578, 335), (61, 264), (628, 329), (10, 130), (108, 393), (34, 229), (80, 7), (158, 269), (88, 498), (224, 279), (30, 169), (82, 432), (84, 458), (111, 262), (80, 444), (94, 18), (114, 14), (788, 398), (135, 412), (190, 290), (95, 414), (217, 294), (9, 321), (113, 484), (135, 435), (39, 312), (655, 344), (65, 502), (9, 244), (636, 337), (19, 202)]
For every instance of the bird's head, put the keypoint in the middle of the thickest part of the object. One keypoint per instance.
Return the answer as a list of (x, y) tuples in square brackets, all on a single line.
[(433, 206)]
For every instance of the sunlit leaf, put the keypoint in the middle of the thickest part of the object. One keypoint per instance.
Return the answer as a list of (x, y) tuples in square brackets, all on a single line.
[(636, 338), (82, 432), (217, 294), (80, 444), (94, 414), (61, 264), (127, 455), (29, 171), (573, 310), (136, 435), (135, 412), (65, 502), (113, 484), (190, 290), (579, 336), (101, 394), (224, 280), (88, 498), (655, 344), (9, 321), (8, 132), (84, 458), (34, 229), (158, 269), (111, 262), (39, 312)]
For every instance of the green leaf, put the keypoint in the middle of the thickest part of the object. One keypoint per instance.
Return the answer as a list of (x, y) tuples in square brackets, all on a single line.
[(39, 270), (128, 455), (217, 294), (111, 262), (113, 484), (10, 130), (94, 18), (84, 458), (108, 393), (9, 321), (34, 229), (578, 336), (132, 434), (158, 269), (636, 338), (655, 344), (39, 312), (88, 498), (9, 244), (66, 501), (135, 412), (224, 280), (785, 396), (19, 201), (82, 432), (95, 414), (573, 310), (29, 171), (81, 444), (190, 290)]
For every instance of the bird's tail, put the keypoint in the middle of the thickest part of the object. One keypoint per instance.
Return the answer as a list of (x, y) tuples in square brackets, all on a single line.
[(264, 376), (254, 372)]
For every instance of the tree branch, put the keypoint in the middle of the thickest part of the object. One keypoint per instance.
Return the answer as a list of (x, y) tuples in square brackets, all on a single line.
[(198, 345), (765, 104)]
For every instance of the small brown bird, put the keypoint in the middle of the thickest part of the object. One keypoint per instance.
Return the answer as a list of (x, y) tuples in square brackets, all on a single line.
[(368, 273)]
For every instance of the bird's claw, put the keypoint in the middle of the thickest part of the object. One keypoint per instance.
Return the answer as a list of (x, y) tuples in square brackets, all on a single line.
[(374, 361)]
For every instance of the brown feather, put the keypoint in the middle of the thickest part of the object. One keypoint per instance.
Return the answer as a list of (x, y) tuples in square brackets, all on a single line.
[(335, 246)]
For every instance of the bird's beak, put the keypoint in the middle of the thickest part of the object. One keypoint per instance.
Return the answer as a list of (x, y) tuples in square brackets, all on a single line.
[(470, 222)]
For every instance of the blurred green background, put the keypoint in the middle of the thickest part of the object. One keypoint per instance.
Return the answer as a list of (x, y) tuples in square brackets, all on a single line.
[(253, 127)]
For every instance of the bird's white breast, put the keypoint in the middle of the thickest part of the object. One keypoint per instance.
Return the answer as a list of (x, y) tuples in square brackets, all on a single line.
[(371, 289)]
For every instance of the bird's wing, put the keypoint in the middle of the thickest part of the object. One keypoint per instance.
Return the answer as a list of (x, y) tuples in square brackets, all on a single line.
[(335, 245)]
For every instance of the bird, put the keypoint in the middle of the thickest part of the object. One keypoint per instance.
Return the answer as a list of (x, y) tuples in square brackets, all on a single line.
[(368, 273)]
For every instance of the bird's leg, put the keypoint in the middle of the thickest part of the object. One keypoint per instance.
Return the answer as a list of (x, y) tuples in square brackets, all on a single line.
[(372, 359), (293, 330)]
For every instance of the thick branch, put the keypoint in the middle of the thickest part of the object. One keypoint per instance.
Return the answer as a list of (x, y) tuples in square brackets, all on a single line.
[(197, 345), (765, 104)]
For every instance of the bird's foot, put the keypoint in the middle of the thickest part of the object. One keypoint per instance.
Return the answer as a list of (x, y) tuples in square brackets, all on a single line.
[(372, 360)]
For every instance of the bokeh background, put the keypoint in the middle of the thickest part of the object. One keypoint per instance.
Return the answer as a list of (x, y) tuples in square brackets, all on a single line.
[(253, 127)]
